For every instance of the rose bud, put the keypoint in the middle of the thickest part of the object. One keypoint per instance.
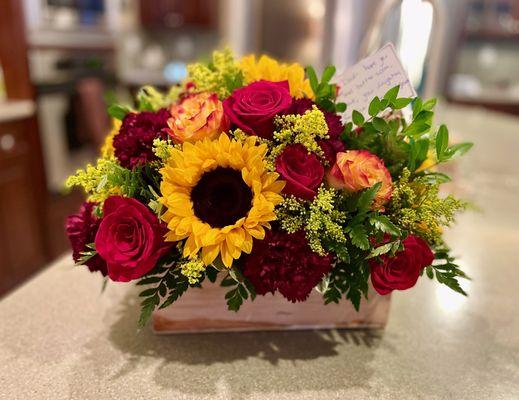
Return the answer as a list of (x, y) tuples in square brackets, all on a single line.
[(401, 271), (196, 117), (356, 170)]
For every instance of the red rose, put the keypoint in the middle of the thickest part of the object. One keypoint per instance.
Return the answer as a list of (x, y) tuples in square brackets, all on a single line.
[(401, 271), (129, 239), (302, 171), (253, 107)]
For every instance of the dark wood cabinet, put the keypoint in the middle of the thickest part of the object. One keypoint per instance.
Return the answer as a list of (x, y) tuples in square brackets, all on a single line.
[(175, 14), (21, 244)]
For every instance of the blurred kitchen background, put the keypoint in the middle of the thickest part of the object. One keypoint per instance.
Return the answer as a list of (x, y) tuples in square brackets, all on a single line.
[(63, 61)]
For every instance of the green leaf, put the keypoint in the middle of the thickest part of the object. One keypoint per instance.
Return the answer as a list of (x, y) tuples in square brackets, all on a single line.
[(148, 292), (374, 106), (118, 111), (340, 107), (149, 280), (381, 125), (312, 77), (436, 178), (359, 237), (459, 149), (243, 292), (385, 248), (211, 273), (236, 274), (384, 224), (417, 107), (401, 103), (392, 94), (367, 196), (430, 273), (429, 104), (328, 73), (357, 117), (442, 142)]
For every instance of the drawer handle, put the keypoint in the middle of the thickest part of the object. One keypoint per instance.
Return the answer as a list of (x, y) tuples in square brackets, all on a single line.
[(7, 142)]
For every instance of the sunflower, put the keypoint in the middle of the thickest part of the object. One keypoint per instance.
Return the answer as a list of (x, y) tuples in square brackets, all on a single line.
[(218, 196), (269, 69), (107, 149)]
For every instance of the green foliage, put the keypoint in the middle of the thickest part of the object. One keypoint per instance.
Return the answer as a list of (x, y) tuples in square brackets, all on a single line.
[(325, 92), (166, 283), (304, 129), (150, 99), (118, 111), (240, 289), (321, 219), (220, 76), (417, 208), (107, 178), (445, 270)]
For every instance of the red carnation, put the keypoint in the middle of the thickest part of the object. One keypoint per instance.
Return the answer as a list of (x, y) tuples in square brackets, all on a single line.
[(81, 231), (133, 145), (330, 146), (401, 271), (130, 238), (284, 262)]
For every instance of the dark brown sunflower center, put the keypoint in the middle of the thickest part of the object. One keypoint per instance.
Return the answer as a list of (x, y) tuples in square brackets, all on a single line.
[(221, 197)]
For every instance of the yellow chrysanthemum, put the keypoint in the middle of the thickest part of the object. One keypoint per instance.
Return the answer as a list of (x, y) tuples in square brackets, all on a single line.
[(219, 196), (107, 149), (271, 70)]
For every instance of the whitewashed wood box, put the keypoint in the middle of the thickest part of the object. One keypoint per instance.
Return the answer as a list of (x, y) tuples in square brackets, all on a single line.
[(205, 310)]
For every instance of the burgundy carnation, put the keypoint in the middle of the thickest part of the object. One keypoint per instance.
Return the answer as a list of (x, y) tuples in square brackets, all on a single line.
[(130, 238), (302, 171), (401, 271), (81, 230), (133, 145), (330, 146), (285, 262), (252, 108)]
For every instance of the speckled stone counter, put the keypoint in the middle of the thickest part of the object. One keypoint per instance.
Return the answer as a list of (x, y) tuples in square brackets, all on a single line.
[(62, 339)]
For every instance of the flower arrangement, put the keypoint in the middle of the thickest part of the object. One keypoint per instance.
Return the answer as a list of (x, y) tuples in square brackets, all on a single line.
[(247, 172)]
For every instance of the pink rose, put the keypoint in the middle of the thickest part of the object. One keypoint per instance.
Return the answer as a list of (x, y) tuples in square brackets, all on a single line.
[(253, 107), (129, 239)]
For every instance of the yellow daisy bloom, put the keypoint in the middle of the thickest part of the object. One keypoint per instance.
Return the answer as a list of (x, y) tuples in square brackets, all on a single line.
[(218, 195), (271, 70), (107, 149)]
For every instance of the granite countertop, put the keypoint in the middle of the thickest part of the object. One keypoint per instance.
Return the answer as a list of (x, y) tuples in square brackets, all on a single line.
[(62, 339), (16, 109)]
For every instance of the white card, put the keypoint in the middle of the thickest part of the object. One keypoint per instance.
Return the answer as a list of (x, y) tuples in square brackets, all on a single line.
[(370, 77)]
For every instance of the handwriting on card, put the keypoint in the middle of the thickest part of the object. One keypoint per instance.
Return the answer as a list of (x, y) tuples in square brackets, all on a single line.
[(370, 77)]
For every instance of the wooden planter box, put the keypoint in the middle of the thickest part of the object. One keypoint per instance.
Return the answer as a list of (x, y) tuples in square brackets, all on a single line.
[(205, 310)]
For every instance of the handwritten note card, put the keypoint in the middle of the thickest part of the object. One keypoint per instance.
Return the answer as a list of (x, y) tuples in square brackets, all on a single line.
[(372, 76)]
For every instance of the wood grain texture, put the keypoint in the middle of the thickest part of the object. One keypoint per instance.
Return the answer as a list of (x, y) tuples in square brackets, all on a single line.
[(204, 310)]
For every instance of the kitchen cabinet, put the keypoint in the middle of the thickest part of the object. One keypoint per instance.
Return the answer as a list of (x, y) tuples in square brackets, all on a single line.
[(174, 14), (21, 244)]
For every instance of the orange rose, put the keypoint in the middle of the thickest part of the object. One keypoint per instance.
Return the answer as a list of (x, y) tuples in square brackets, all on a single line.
[(196, 117), (355, 170)]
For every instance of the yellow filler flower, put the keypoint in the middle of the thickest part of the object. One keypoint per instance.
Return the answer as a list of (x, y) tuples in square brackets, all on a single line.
[(271, 70), (219, 196)]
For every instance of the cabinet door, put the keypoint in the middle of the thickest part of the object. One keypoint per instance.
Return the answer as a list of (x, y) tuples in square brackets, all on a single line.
[(21, 249)]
